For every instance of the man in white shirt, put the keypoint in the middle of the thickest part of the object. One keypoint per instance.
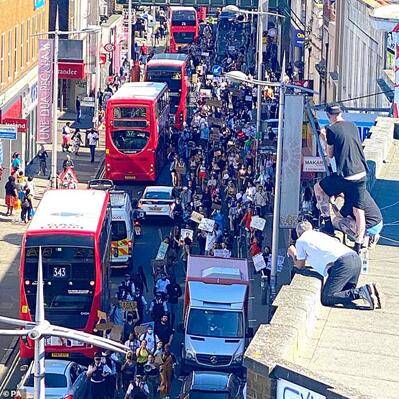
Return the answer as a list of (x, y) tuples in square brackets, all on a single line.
[(93, 138), (331, 259)]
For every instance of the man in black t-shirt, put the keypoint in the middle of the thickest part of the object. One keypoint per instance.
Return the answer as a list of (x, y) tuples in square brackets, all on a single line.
[(342, 142), (344, 219)]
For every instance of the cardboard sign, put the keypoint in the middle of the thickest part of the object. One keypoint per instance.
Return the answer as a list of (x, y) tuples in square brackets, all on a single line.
[(313, 164), (207, 225), (259, 262), (205, 93), (258, 223), (222, 253), (209, 77), (186, 233), (213, 102), (128, 305), (215, 121), (196, 217), (162, 251), (142, 328), (214, 135)]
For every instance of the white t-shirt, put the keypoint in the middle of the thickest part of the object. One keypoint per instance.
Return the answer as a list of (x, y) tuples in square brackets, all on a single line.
[(93, 137), (319, 249)]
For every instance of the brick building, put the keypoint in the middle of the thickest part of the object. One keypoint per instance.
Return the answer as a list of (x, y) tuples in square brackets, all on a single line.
[(20, 21)]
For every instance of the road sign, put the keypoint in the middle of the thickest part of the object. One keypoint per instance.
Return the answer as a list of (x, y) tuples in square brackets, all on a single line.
[(109, 47), (8, 132), (216, 70)]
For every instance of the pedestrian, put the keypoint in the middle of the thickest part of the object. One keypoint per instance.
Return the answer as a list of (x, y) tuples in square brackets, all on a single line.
[(260, 201), (158, 306), (342, 142), (93, 138), (150, 337), (138, 389), (174, 292), (151, 372), (340, 264), (142, 353), (11, 195), (42, 156), (68, 163), (97, 374), (166, 373), (76, 141), (66, 137), (132, 342), (164, 331), (78, 109), (26, 206), (15, 162), (128, 370), (129, 325)]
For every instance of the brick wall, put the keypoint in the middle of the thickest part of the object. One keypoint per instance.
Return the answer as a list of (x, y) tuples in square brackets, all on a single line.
[(18, 48)]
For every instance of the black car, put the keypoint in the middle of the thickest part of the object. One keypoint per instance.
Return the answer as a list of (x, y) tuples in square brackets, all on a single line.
[(211, 385)]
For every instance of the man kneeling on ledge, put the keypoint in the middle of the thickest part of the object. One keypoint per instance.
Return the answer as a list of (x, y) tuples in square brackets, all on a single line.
[(340, 264)]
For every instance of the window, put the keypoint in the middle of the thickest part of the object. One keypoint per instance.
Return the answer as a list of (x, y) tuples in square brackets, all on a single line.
[(15, 49), (2, 54), (22, 41), (129, 113), (33, 49), (130, 141), (9, 54), (27, 46), (119, 231)]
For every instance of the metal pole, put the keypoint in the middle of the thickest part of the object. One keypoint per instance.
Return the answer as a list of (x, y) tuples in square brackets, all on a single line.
[(129, 39), (55, 100), (98, 77), (39, 365), (259, 87), (277, 187)]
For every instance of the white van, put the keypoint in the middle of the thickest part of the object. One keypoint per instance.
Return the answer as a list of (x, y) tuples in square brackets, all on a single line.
[(122, 230)]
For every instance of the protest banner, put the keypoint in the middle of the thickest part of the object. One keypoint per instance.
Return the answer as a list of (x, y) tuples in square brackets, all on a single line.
[(280, 262), (186, 233), (257, 223), (196, 217), (207, 225), (128, 305), (259, 262), (163, 247), (210, 241), (222, 253)]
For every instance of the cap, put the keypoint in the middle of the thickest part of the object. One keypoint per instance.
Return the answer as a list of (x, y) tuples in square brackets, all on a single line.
[(333, 109)]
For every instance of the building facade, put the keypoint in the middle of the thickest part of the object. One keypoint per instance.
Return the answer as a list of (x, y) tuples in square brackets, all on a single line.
[(21, 22)]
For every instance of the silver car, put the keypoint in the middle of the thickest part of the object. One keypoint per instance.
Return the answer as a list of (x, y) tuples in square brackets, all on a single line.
[(64, 380)]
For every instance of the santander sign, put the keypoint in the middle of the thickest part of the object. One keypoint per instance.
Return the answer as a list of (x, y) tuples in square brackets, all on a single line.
[(71, 70)]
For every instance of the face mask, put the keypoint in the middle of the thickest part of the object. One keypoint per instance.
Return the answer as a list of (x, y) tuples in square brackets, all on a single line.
[(150, 332)]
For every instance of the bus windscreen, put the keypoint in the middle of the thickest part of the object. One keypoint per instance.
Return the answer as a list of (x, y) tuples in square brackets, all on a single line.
[(69, 276), (183, 18), (130, 141)]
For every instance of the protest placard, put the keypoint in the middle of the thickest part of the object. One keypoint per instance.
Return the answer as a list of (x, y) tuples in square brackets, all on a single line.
[(205, 93), (207, 225), (259, 262), (128, 305), (163, 247), (214, 135), (258, 223), (142, 328), (196, 217), (222, 253), (186, 233), (213, 102)]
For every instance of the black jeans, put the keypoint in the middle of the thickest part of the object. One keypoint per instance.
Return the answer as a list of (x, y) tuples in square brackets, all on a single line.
[(343, 275)]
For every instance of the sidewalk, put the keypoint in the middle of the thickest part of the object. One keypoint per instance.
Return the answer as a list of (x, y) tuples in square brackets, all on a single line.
[(11, 234)]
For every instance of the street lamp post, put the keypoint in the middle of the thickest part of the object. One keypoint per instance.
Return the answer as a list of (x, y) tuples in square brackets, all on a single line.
[(260, 13), (41, 328), (240, 77), (129, 32)]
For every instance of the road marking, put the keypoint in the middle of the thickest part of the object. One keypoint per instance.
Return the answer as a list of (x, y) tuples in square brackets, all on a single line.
[(160, 234), (10, 372)]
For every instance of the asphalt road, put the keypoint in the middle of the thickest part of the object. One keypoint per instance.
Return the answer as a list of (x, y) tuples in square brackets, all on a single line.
[(145, 249)]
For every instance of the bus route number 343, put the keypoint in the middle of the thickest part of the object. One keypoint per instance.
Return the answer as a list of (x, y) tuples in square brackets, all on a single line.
[(60, 271)]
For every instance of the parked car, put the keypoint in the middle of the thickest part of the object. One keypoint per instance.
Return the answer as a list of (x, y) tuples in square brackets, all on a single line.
[(211, 385), (64, 380)]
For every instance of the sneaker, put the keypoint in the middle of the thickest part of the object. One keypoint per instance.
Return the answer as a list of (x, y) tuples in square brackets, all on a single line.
[(373, 241), (377, 295), (366, 293)]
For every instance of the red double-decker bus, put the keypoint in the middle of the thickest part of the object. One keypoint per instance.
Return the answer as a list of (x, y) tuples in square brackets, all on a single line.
[(171, 68), (183, 28), (136, 123), (73, 228)]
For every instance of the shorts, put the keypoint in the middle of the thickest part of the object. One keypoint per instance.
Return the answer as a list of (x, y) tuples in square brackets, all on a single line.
[(10, 200), (353, 189), (374, 230)]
